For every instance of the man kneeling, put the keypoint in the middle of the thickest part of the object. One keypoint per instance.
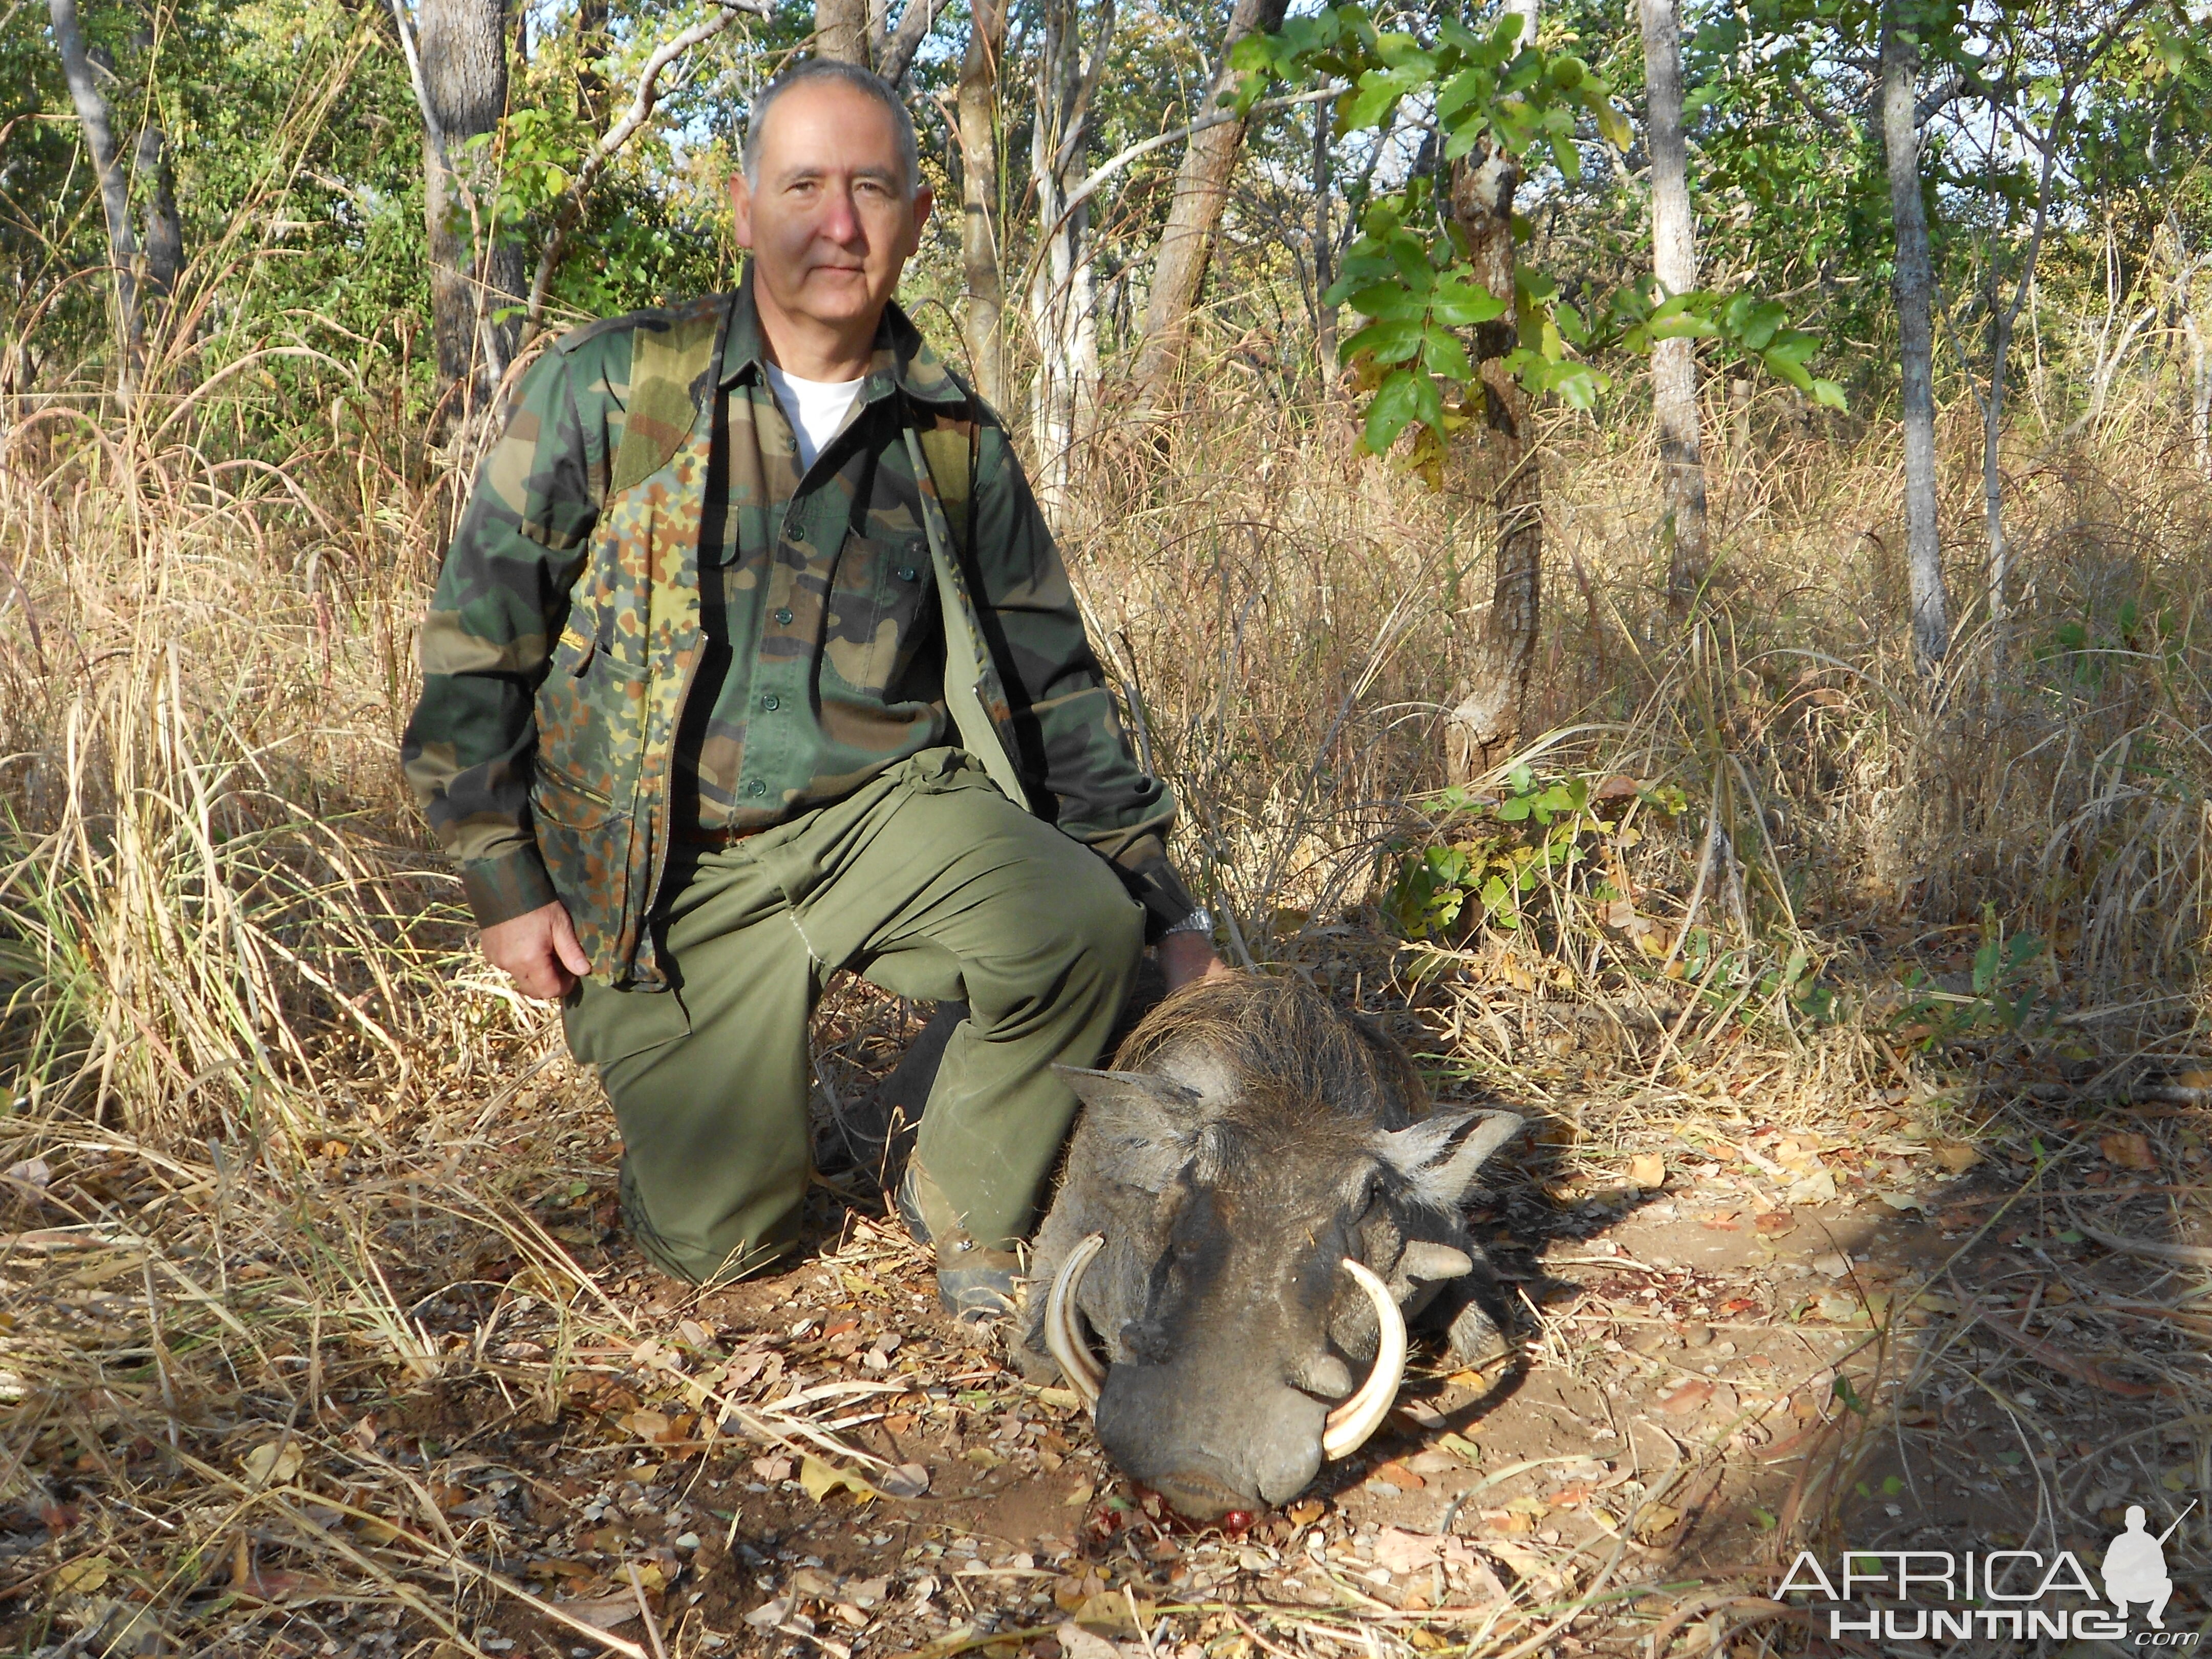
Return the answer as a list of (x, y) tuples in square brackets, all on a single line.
[(752, 659)]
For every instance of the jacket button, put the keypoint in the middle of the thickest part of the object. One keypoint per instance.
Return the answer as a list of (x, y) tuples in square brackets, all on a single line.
[(771, 702), (906, 573), (756, 787), (783, 616)]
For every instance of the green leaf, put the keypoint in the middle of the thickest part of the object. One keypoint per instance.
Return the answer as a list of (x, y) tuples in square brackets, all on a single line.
[(1388, 299), (1611, 125), (1442, 354), (1376, 95), (1397, 404), (1457, 302), (1391, 342), (1470, 88)]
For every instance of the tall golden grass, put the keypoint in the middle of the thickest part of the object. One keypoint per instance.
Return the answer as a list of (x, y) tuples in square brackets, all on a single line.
[(217, 913)]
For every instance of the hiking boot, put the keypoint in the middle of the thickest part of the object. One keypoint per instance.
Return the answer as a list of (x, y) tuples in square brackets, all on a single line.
[(906, 1200), (973, 1284)]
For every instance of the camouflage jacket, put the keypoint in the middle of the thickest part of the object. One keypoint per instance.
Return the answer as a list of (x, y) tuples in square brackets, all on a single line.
[(566, 641)]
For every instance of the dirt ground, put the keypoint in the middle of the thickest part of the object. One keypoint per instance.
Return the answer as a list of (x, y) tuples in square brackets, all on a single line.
[(1737, 1338)]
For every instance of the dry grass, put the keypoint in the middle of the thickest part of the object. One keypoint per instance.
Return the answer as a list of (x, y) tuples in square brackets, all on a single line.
[(315, 1341)]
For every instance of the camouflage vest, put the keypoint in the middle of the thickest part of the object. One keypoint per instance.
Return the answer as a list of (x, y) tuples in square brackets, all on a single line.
[(606, 739)]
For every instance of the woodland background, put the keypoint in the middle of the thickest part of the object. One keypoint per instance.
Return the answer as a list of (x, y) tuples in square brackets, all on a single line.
[(1662, 547)]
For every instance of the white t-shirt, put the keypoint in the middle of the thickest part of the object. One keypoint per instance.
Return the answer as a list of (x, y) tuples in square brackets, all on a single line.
[(815, 408)]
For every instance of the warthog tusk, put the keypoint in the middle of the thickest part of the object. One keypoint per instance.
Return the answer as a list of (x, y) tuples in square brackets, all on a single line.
[(1430, 1262), (1063, 1335), (1350, 1423)]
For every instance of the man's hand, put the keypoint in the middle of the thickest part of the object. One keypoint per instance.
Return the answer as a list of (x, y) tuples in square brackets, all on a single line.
[(1187, 956), (539, 950)]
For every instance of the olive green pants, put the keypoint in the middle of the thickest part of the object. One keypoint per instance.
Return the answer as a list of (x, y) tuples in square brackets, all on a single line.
[(929, 882)]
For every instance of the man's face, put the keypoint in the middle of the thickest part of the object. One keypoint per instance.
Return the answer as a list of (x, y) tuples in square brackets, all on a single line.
[(829, 223)]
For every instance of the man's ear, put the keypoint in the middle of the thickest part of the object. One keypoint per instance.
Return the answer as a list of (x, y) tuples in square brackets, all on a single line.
[(741, 208), (924, 198)]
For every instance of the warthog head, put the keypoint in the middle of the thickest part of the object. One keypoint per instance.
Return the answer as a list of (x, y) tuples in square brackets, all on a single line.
[(1251, 1208)]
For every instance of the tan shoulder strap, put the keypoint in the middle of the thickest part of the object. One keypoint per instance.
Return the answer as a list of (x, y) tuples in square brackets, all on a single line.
[(668, 363), (967, 676), (951, 452)]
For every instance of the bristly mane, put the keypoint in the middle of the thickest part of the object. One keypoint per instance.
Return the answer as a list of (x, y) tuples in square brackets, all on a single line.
[(1282, 1042)]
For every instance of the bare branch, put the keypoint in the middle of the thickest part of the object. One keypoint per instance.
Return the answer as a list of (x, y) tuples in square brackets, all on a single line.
[(610, 145), (1107, 169), (901, 45)]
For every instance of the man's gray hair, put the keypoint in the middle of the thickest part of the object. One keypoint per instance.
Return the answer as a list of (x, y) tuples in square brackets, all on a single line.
[(852, 74)]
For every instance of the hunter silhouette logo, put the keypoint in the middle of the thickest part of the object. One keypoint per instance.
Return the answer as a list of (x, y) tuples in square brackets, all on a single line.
[(2003, 1595), (2134, 1567)]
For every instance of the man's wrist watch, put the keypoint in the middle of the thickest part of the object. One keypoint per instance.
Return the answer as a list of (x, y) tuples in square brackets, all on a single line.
[(1199, 920)]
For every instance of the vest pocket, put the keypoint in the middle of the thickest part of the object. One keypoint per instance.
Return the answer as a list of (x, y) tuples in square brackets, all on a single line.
[(584, 841)]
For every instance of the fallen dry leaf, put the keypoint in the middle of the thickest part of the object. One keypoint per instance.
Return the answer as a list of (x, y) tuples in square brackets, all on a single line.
[(1656, 1521), (2128, 1151), (601, 1612), (274, 1462), (276, 1585), (821, 1478), (905, 1481), (1686, 1398), (1399, 1475), (1647, 1170), (1818, 1188), (1109, 1612), (82, 1577), (768, 1615), (1076, 1643)]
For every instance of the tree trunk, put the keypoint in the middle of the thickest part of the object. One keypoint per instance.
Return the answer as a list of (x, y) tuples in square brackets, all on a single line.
[(165, 231), (1674, 263), (1062, 296), (840, 30), (1914, 285), (978, 120), (474, 272), (114, 186), (591, 46), (2200, 389), (1481, 730), (1201, 190), (1324, 253)]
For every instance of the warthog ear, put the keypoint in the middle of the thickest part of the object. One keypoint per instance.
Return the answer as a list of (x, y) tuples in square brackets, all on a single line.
[(1442, 1155), (1151, 1125)]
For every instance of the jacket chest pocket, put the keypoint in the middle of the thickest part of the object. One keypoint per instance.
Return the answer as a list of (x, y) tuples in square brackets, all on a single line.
[(875, 605)]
